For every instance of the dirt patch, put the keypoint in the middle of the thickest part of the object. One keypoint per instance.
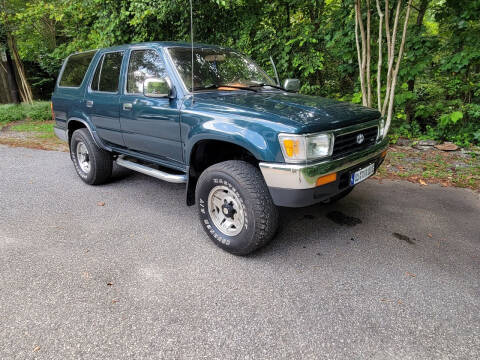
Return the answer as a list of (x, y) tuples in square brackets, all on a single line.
[(30, 139), (448, 168)]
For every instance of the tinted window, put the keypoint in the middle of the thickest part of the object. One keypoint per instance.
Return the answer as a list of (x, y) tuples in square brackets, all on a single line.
[(107, 74), (76, 68), (143, 64)]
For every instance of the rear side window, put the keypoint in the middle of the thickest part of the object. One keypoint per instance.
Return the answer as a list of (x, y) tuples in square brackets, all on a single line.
[(75, 69), (107, 73), (143, 64)]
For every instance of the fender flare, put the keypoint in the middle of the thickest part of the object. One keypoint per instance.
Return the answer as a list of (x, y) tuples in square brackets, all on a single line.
[(92, 132)]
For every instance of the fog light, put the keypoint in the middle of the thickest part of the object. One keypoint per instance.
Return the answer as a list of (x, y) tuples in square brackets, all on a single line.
[(326, 179)]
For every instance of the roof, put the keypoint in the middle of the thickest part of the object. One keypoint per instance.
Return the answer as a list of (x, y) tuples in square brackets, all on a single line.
[(162, 44)]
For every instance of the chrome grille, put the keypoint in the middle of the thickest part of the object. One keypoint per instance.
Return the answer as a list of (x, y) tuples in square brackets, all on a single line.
[(348, 143)]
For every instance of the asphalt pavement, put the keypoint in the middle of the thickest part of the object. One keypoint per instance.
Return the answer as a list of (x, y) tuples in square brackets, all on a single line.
[(125, 271)]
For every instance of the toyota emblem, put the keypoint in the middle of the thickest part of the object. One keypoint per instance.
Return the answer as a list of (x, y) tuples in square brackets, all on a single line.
[(360, 138)]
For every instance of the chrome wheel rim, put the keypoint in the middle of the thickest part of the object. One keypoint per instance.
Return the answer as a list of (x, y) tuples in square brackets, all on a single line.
[(226, 210), (83, 158)]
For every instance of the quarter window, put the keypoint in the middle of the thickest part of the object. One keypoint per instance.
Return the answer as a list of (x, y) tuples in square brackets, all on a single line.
[(75, 69), (107, 74), (143, 64)]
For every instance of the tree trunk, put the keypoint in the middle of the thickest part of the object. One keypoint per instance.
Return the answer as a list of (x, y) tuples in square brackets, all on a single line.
[(8, 80), (23, 85)]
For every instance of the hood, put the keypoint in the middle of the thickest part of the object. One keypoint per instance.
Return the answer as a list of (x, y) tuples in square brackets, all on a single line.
[(309, 113)]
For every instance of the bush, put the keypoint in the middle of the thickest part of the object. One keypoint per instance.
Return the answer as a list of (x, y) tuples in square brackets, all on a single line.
[(38, 111), (10, 113)]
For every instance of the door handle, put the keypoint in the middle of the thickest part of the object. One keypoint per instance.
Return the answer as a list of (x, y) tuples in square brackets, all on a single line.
[(127, 106), (89, 103)]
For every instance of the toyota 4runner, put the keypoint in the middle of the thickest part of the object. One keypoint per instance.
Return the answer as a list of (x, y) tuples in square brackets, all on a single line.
[(241, 143)]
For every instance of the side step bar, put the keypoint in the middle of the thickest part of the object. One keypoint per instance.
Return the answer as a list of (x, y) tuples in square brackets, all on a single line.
[(173, 178)]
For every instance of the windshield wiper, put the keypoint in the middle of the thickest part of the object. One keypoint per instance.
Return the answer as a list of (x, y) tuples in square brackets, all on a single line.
[(273, 86), (216, 86)]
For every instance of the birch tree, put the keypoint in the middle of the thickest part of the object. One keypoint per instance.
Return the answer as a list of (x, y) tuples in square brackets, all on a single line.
[(6, 10), (394, 53)]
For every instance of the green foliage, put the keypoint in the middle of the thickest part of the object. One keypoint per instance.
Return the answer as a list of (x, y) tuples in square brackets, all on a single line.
[(10, 112), (38, 111), (314, 41)]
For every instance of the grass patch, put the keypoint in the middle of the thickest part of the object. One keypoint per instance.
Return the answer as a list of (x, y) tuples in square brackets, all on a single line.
[(39, 129), (38, 111), (33, 127)]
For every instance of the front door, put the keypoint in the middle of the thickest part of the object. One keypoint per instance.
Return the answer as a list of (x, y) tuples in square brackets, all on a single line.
[(102, 100), (150, 125)]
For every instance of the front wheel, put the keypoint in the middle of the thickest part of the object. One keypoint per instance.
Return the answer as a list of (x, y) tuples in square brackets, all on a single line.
[(235, 207)]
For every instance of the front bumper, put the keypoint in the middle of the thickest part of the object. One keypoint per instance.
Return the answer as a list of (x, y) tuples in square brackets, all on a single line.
[(294, 185)]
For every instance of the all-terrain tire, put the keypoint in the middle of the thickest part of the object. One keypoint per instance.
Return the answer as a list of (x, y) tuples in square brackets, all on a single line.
[(244, 184), (100, 161)]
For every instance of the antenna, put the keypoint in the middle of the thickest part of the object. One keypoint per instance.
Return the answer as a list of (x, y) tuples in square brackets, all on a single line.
[(191, 38), (275, 70)]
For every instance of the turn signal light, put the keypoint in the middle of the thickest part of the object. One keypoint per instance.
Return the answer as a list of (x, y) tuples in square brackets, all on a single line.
[(326, 179), (292, 147)]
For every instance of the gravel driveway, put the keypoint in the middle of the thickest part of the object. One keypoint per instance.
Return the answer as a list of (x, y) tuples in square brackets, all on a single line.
[(390, 272)]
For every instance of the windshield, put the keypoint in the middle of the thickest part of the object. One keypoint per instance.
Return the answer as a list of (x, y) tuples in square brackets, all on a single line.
[(215, 68)]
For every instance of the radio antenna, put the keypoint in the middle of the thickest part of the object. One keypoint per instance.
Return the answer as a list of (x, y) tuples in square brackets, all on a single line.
[(191, 39)]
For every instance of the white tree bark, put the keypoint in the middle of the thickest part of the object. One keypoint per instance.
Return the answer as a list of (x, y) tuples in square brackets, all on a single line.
[(363, 43)]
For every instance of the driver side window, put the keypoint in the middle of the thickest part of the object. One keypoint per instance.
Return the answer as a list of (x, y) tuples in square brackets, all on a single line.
[(143, 65)]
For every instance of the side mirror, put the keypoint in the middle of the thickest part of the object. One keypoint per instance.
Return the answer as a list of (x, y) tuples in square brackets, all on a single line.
[(157, 88), (291, 85)]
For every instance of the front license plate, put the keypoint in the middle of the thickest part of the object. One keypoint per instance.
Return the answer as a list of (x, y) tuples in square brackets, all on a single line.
[(362, 174)]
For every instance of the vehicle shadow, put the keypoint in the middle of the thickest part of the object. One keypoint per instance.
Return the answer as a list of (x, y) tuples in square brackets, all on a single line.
[(318, 226), (120, 173), (315, 226)]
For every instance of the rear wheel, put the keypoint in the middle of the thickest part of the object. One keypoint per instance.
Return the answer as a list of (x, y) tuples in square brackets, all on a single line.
[(93, 165), (235, 207)]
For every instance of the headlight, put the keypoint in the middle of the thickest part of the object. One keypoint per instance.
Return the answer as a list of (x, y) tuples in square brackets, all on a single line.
[(298, 148), (381, 129)]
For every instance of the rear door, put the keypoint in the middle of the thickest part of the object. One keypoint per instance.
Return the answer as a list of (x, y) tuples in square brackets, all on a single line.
[(102, 98), (150, 125), (68, 95)]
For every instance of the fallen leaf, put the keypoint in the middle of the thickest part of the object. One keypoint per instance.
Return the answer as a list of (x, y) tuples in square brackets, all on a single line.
[(114, 301), (422, 182), (109, 284), (36, 348), (410, 274), (386, 300), (400, 302), (101, 203), (429, 235)]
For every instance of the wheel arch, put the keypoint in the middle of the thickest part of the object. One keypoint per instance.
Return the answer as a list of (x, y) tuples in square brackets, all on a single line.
[(77, 123), (207, 152)]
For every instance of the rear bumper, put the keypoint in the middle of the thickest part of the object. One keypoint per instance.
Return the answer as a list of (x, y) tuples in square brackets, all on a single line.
[(294, 185)]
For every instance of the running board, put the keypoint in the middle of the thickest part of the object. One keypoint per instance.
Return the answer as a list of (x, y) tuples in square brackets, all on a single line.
[(173, 178)]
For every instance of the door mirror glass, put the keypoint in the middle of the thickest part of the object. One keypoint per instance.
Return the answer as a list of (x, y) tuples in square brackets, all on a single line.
[(157, 87), (291, 85)]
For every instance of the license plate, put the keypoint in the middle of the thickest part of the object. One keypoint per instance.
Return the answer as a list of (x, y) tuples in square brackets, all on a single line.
[(362, 174)]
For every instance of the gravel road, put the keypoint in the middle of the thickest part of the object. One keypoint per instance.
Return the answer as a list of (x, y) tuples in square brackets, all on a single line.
[(390, 272)]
